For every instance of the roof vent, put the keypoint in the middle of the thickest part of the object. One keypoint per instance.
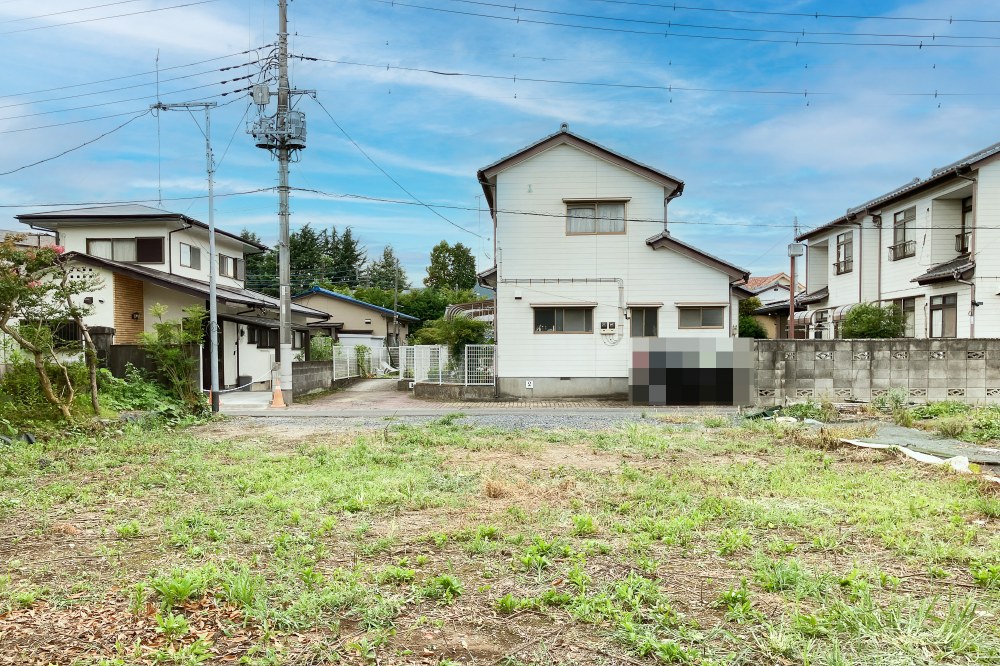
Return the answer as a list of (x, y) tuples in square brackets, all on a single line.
[(564, 127)]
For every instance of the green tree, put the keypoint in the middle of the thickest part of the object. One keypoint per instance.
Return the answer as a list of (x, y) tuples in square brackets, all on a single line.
[(451, 267), (172, 345), (262, 268), (871, 320), (38, 296), (749, 326), (349, 257), (457, 333), (382, 271)]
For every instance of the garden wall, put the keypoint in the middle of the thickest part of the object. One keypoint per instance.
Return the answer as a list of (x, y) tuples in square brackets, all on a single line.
[(310, 375), (932, 370)]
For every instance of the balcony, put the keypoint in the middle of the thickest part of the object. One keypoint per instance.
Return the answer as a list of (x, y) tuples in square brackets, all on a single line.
[(902, 250), (962, 242), (845, 266)]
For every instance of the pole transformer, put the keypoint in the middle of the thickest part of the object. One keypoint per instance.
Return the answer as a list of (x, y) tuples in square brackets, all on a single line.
[(213, 306), (282, 134)]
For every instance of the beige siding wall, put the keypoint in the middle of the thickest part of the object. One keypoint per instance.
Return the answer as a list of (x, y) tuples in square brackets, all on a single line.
[(128, 300), (352, 315)]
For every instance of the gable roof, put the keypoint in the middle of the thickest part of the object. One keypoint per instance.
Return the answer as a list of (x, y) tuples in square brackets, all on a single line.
[(938, 176), (353, 301), (124, 212), (192, 287), (664, 239), (564, 136)]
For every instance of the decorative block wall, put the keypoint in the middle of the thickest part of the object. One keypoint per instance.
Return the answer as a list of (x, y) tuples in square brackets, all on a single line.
[(932, 370)]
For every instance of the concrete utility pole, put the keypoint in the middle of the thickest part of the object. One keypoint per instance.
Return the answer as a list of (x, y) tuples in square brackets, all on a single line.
[(395, 305), (281, 134), (213, 306)]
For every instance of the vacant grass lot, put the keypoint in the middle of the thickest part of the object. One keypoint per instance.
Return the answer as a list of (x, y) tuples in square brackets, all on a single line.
[(710, 543)]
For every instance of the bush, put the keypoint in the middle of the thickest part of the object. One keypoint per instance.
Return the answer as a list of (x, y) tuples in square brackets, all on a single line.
[(751, 328), (457, 333), (138, 390), (941, 409), (321, 348), (170, 346), (870, 320)]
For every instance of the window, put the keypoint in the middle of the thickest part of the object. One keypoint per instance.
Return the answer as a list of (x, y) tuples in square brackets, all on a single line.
[(822, 323), (190, 256), (904, 243), (909, 308), (962, 238), (297, 339), (564, 320), (644, 322), (702, 318), (845, 253), (251, 335), (127, 250), (232, 267), (595, 218), (149, 250), (944, 316)]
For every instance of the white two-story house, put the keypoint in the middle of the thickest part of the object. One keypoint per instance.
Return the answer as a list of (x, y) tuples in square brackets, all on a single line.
[(585, 266), (931, 246), (146, 256)]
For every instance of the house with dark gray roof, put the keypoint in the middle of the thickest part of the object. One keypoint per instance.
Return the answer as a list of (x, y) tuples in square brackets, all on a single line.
[(147, 256), (931, 246)]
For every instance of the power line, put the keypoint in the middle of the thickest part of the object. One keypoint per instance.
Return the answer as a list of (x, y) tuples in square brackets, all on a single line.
[(796, 42), (49, 159), (100, 92), (129, 76), (815, 15), (390, 177), (669, 88), (563, 215), (103, 18), (671, 24), (669, 63), (122, 101), (120, 202), (68, 11)]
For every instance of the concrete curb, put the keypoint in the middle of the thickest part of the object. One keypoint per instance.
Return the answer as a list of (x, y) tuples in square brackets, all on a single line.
[(375, 413)]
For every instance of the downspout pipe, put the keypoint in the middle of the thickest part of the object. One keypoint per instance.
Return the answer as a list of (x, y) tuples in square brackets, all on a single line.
[(972, 251), (673, 195), (170, 246)]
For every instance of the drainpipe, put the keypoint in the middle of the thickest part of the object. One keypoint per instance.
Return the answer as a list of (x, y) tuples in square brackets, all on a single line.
[(170, 247), (972, 251), (877, 221), (673, 195)]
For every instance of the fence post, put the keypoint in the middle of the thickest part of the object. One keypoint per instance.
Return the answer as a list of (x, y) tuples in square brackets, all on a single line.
[(465, 365)]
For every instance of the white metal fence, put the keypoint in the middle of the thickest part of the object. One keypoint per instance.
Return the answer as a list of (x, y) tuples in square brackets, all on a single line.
[(434, 364), (348, 362)]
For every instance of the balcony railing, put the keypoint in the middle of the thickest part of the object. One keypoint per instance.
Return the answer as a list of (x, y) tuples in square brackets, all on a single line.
[(962, 242), (902, 250), (845, 266)]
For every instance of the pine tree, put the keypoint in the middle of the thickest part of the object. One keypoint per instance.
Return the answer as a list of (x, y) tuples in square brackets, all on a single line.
[(349, 257), (382, 272)]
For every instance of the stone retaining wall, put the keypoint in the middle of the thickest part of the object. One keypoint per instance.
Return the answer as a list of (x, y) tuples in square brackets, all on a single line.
[(932, 370)]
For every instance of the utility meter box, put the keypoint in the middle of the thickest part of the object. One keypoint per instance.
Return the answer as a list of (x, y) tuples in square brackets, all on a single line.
[(607, 328)]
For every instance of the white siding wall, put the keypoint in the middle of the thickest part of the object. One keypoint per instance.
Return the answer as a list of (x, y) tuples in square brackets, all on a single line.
[(817, 264), (174, 300), (988, 251), (532, 247)]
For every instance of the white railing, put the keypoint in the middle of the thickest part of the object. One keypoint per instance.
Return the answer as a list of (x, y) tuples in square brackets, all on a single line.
[(433, 364), (373, 362)]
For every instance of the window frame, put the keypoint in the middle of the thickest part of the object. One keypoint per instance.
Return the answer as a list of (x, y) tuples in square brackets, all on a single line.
[(904, 234), (644, 310), (845, 252), (239, 267), (909, 315), (191, 253), (588, 319), (943, 307), (701, 308), (962, 239), (112, 241), (163, 253), (593, 204), (298, 338), (252, 335)]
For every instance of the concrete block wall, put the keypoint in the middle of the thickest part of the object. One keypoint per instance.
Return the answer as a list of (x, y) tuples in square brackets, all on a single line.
[(310, 375), (932, 370)]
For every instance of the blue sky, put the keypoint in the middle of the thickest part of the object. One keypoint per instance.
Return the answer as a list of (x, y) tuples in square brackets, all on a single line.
[(751, 162)]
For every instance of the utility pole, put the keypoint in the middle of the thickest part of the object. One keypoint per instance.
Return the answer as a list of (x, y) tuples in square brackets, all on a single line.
[(213, 306), (281, 134), (795, 249), (395, 304)]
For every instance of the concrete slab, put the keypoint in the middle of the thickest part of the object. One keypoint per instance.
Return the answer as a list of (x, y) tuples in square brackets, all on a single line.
[(244, 400)]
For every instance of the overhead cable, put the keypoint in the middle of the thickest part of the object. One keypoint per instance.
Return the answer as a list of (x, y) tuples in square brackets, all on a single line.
[(815, 15), (672, 24), (129, 76), (49, 159), (68, 11), (103, 18), (796, 42), (390, 177), (120, 202)]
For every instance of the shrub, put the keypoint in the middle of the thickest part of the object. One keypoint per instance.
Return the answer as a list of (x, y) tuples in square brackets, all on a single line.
[(170, 346), (804, 410), (457, 333), (138, 390), (321, 348), (870, 320), (935, 410)]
